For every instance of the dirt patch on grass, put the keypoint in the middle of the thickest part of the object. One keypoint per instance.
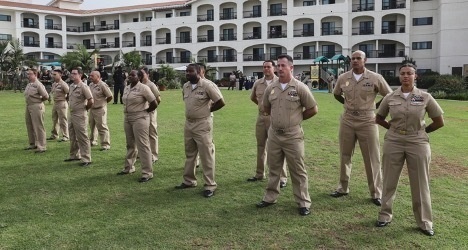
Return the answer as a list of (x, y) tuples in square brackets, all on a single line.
[(441, 166)]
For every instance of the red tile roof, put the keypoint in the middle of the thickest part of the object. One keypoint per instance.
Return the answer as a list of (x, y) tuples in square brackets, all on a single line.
[(89, 12)]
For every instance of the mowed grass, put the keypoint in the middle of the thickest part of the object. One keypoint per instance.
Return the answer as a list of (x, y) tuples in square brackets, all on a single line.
[(46, 203)]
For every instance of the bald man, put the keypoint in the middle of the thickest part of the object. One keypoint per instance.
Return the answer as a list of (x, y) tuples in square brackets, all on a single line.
[(98, 113)]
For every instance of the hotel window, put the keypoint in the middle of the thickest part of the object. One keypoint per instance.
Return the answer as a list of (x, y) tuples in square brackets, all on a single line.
[(148, 18), (185, 13), (328, 2), (276, 9), (422, 21), (135, 20), (5, 18), (5, 37), (422, 45), (308, 3), (168, 15)]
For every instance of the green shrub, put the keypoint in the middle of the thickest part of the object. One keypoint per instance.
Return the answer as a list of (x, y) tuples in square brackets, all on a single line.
[(392, 80), (448, 84), (439, 94), (462, 96)]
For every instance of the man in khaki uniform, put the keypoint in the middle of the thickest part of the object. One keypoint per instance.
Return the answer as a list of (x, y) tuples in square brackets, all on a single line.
[(81, 100), (59, 91), (263, 122), (98, 113), (289, 102), (201, 97), (357, 90), (35, 95), (153, 128)]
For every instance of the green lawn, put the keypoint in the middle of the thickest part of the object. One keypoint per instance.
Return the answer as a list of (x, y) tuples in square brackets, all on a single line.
[(46, 203)]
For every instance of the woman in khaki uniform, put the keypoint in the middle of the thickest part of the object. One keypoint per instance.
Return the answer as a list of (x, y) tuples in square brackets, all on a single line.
[(35, 95), (153, 129), (138, 102), (407, 140)]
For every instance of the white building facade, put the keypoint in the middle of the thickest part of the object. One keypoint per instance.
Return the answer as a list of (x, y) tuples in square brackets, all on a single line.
[(241, 34)]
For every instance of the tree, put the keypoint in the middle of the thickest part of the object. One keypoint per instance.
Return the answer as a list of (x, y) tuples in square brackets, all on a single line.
[(408, 59), (80, 57), (168, 77), (132, 60)]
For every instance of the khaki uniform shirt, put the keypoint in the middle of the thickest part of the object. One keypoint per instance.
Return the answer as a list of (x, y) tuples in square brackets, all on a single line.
[(60, 90), (407, 114), (287, 105), (34, 92), (154, 89), (198, 100), (258, 90), (360, 95), (136, 99), (100, 93), (79, 95)]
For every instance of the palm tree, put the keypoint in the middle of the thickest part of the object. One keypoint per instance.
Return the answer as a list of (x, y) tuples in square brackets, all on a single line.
[(132, 60), (80, 57), (17, 56)]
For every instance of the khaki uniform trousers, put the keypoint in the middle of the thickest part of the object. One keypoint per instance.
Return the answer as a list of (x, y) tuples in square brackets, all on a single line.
[(153, 135), (364, 130), (98, 124), (290, 145), (415, 149), (137, 137), (59, 119), (198, 139), (79, 142), (261, 132), (34, 117)]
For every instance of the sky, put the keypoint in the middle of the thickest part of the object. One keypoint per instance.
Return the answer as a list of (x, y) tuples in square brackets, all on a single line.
[(94, 4)]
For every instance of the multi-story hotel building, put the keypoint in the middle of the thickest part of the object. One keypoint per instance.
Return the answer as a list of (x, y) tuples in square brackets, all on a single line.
[(240, 34)]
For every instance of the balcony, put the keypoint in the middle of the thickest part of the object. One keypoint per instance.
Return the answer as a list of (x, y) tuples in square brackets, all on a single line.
[(334, 31), (163, 41), (384, 53), (205, 18), (145, 43), (277, 34), (328, 54), (207, 59), (251, 14), (252, 35), (183, 39), (303, 33), (147, 61), (393, 5), (393, 29), (359, 31), (53, 27), (179, 60), (254, 57), (228, 37), (54, 45), (304, 56), (227, 58), (206, 38), (128, 44), (164, 60), (106, 27), (363, 7), (278, 12), (30, 43), (228, 16), (107, 45), (33, 25)]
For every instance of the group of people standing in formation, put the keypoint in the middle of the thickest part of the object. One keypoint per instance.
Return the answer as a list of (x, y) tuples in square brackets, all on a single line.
[(283, 103)]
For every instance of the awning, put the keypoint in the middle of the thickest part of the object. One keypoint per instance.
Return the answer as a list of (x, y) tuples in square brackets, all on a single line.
[(181, 68), (321, 59), (339, 57), (51, 64)]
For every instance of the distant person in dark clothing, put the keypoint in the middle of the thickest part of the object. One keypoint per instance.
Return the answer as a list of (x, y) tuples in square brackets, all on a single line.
[(241, 82), (119, 79), (104, 74)]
